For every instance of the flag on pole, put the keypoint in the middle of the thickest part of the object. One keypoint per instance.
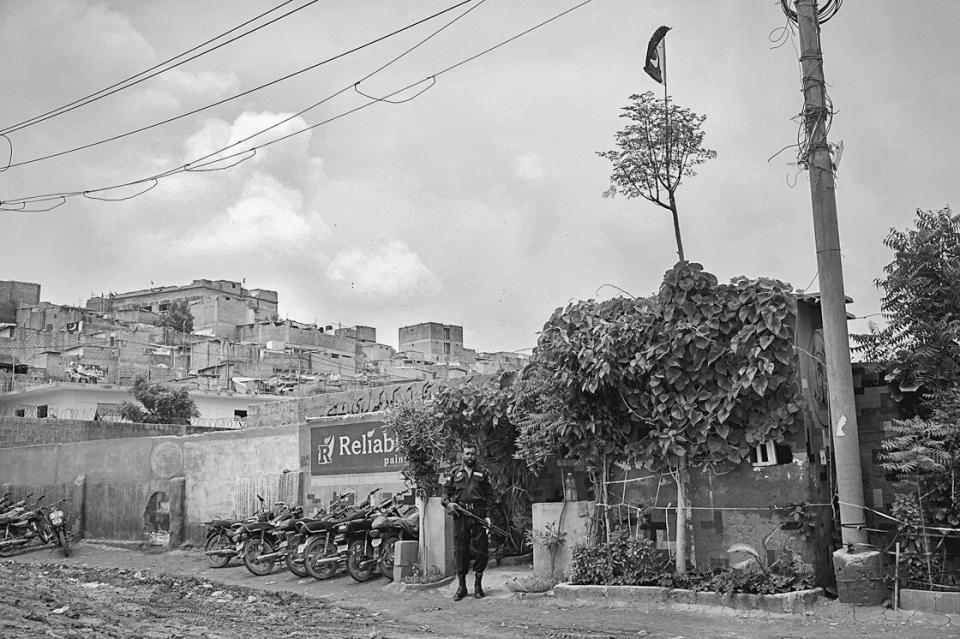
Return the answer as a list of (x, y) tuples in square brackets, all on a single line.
[(656, 53)]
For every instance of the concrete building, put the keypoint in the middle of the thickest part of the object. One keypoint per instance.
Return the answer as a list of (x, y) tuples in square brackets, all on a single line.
[(54, 317), (363, 334), (220, 316), (488, 363), (262, 302), (14, 294), (437, 342), (65, 400)]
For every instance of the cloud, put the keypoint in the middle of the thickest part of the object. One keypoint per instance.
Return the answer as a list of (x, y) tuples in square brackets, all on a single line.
[(289, 161), (267, 215), (393, 271), (529, 166)]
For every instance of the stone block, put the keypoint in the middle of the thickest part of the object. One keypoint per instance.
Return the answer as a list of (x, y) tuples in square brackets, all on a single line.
[(859, 578), (177, 495)]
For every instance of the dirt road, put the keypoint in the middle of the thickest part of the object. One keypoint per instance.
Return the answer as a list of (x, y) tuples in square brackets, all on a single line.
[(108, 592)]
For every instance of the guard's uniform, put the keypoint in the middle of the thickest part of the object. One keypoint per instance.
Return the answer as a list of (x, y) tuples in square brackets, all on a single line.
[(472, 492)]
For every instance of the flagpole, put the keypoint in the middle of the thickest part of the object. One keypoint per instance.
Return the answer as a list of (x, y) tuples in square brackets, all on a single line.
[(666, 109)]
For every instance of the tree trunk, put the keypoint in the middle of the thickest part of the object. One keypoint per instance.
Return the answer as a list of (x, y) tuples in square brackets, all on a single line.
[(606, 501), (682, 479), (676, 225)]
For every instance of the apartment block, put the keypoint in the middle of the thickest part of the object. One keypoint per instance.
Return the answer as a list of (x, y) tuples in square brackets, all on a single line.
[(14, 294), (437, 342)]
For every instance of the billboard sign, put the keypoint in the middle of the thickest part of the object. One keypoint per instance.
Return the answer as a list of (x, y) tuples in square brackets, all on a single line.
[(353, 447)]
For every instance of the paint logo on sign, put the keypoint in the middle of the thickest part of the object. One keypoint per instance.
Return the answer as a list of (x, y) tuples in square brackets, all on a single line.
[(325, 451)]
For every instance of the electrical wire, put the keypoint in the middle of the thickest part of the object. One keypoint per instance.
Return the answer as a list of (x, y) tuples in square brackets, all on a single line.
[(5, 204), (133, 80), (824, 12), (265, 85)]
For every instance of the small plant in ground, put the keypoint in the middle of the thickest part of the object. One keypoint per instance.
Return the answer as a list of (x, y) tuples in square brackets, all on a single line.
[(549, 537), (418, 576), (532, 583)]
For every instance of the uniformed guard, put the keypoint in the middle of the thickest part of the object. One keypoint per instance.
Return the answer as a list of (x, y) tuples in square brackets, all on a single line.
[(468, 496)]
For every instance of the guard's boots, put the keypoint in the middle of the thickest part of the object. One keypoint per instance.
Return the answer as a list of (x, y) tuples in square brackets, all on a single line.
[(462, 590), (478, 587)]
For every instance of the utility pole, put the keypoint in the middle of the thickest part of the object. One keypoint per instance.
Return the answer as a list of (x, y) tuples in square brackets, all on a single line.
[(843, 413)]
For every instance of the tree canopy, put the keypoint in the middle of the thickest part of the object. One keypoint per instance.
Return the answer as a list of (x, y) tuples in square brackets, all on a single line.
[(919, 347), (177, 317), (696, 375), (661, 144), (159, 404)]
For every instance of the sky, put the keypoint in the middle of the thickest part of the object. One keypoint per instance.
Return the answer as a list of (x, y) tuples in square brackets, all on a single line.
[(479, 201)]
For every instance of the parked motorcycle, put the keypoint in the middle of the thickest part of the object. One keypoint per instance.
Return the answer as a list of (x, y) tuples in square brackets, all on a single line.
[(260, 539), (372, 540), (291, 547), (223, 537), (402, 524), (322, 557), (20, 525), (53, 521)]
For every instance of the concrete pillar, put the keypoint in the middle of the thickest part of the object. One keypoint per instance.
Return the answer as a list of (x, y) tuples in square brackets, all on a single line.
[(436, 540), (405, 556), (290, 488), (573, 518), (177, 493), (859, 579), (76, 510)]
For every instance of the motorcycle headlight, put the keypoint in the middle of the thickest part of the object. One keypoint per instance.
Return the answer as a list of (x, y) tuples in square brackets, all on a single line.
[(342, 528), (56, 517)]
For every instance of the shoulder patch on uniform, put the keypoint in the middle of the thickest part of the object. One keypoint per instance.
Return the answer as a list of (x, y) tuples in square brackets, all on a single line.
[(478, 474), (458, 475)]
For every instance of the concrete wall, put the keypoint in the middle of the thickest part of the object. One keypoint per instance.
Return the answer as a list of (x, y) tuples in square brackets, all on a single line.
[(31, 431), (212, 475), (354, 402)]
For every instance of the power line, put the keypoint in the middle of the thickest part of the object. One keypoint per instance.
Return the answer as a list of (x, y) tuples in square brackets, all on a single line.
[(60, 197), (132, 80), (311, 67)]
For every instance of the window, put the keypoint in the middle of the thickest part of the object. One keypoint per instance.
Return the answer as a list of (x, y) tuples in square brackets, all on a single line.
[(42, 410), (446, 333), (446, 349), (771, 454)]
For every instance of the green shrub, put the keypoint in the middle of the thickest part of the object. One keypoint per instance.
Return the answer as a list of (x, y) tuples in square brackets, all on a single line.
[(632, 561), (625, 561)]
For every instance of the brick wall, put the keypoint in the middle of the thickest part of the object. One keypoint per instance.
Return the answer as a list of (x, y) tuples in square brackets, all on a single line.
[(30, 431), (876, 410)]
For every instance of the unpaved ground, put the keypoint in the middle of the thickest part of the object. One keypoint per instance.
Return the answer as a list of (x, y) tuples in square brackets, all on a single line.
[(108, 592)]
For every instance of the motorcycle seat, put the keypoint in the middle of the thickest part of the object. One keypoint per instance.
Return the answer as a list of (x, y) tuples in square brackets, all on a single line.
[(220, 523), (314, 526)]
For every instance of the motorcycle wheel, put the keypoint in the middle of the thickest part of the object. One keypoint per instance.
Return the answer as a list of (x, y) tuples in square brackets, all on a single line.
[(317, 549), (6, 551), (387, 550), (63, 542), (357, 555), (295, 561), (220, 541), (251, 553)]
